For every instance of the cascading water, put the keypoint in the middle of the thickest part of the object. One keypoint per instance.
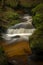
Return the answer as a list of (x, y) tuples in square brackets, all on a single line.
[(19, 29)]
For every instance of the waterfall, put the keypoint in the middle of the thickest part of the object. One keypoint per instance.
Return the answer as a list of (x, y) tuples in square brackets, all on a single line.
[(23, 29)]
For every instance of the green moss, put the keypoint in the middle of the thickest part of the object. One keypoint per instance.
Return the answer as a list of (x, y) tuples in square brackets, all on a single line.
[(10, 18), (37, 20), (13, 22), (10, 15), (38, 9), (38, 15), (36, 40)]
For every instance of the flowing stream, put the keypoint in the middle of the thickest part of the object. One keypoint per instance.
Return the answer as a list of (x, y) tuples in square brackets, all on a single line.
[(23, 29)]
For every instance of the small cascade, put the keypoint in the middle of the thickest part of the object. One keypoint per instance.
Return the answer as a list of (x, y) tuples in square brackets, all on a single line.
[(25, 28)]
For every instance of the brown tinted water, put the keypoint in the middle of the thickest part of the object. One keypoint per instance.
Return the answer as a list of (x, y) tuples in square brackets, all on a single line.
[(18, 54)]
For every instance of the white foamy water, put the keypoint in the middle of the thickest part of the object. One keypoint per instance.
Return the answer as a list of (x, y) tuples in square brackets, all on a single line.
[(23, 29), (20, 31)]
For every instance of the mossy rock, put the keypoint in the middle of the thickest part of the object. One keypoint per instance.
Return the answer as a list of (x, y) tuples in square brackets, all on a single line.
[(38, 9), (37, 20), (9, 18), (38, 15), (36, 40)]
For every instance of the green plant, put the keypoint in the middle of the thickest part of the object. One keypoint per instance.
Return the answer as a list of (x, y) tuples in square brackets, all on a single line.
[(10, 15), (9, 18), (13, 22), (37, 20), (38, 9), (38, 15), (36, 40)]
